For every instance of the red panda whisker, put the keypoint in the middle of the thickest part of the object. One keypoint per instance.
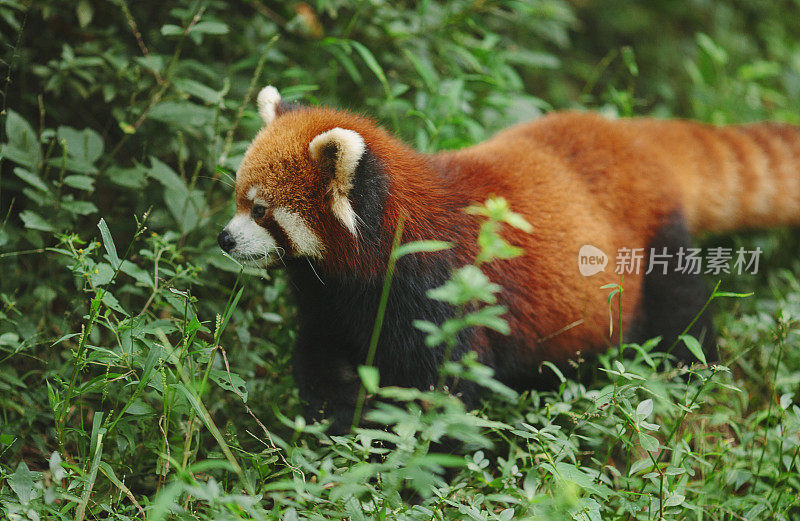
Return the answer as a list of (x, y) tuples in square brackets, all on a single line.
[(310, 265)]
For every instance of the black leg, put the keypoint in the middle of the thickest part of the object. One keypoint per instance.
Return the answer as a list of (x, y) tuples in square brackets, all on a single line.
[(328, 383), (672, 300)]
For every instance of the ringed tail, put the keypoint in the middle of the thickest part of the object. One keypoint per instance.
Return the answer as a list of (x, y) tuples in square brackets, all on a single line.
[(730, 177)]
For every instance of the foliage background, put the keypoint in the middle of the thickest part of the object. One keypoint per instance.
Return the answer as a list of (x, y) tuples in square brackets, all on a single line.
[(112, 357)]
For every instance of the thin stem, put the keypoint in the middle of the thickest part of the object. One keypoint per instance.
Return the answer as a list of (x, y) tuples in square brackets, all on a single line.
[(376, 330), (696, 317), (781, 344)]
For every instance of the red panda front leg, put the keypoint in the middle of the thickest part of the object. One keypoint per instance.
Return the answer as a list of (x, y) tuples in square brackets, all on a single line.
[(327, 380), (337, 320)]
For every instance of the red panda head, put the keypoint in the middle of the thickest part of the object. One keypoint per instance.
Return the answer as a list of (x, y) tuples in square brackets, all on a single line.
[(298, 187)]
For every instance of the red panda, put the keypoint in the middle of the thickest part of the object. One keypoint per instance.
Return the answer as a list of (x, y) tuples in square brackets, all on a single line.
[(320, 192)]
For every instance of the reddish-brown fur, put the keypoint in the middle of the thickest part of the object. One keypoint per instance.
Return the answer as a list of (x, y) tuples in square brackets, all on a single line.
[(576, 178)]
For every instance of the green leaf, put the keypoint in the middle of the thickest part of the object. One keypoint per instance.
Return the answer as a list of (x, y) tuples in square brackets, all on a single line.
[(370, 377), (165, 175), (420, 247), (712, 50), (56, 470), (23, 143), (138, 408), (79, 207), (81, 182), (424, 69), (518, 221), (571, 473), (371, 62), (205, 416), (97, 432), (34, 221), (171, 30), (182, 113), (112, 302), (467, 284), (72, 164), (694, 347), (108, 243), (101, 274), (337, 49), (32, 179), (187, 207), (649, 443), (489, 316), (209, 28), (553, 367), (85, 145), (731, 294), (22, 483), (153, 63), (674, 500), (197, 89), (644, 409), (108, 470), (629, 59), (230, 382), (12, 340), (228, 313), (135, 177), (759, 70), (85, 12), (140, 275), (53, 397), (638, 466)]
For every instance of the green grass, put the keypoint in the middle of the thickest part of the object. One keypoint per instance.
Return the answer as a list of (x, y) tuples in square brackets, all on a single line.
[(145, 376)]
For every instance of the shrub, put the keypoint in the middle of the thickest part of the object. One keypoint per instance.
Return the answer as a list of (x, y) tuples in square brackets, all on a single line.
[(142, 373)]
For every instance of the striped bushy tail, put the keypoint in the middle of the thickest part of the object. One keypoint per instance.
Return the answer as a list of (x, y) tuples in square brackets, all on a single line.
[(733, 177)]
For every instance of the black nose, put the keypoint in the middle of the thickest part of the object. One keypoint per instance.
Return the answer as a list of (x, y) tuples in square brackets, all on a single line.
[(226, 241)]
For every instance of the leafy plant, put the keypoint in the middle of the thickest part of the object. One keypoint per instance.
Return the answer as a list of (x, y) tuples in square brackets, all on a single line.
[(143, 375)]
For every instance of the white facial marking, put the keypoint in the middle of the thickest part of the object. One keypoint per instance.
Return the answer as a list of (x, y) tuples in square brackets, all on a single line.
[(267, 102), (350, 147), (303, 238), (251, 193), (253, 243), (343, 211)]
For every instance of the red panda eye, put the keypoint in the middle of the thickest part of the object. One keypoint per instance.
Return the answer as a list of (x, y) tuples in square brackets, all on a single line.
[(258, 211)]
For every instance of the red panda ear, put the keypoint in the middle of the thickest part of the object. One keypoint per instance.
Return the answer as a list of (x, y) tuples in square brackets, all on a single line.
[(338, 152), (268, 100), (270, 105)]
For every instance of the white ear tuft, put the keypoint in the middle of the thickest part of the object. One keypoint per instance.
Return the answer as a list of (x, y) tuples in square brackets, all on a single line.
[(349, 146), (267, 102), (346, 147), (343, 211)]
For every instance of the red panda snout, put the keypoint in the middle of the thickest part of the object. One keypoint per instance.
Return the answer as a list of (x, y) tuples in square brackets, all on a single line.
[(265, 237)]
